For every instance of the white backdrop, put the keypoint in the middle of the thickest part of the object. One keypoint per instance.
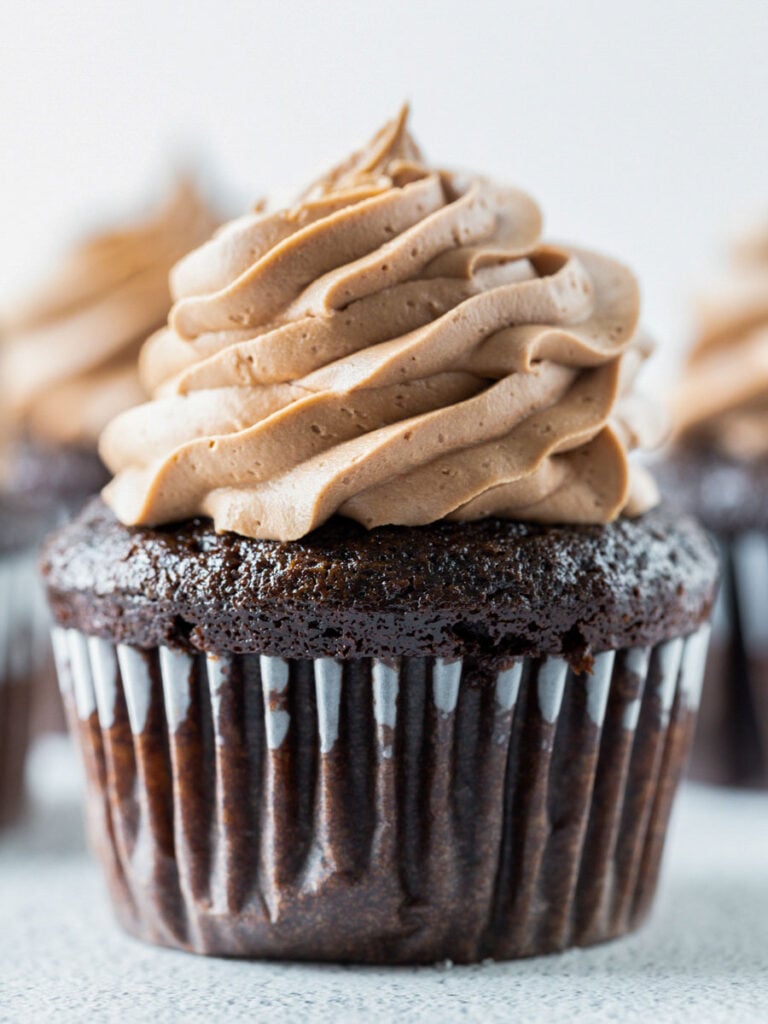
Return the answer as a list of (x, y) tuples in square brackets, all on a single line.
[(642, 128)]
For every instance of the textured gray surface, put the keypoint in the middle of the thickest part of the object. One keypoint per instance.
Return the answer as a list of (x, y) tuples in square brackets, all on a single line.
[(703, 957)]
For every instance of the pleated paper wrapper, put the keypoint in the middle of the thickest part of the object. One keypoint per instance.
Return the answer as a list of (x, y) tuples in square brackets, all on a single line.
[(24, 626), (731, 745), (406, 811)]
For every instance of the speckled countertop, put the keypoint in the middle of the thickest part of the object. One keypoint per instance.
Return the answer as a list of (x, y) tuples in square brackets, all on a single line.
[(703, 957)]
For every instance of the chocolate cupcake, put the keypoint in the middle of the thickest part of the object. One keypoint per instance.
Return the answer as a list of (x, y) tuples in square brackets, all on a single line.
[(68, 353), (21, 621), (718, 470), (379, 649), (68, 364)]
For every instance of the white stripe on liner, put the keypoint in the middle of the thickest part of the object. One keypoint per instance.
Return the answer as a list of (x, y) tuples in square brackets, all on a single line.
[(176, 672), (274, 679), (61, 659), (598, 686), (274, 673), (137, 685), (85, 695), (216, 668), (551, 686), (104, 674), (386, 687), (328, 692), (508, 686), (631, 715), (446, 677), (692, 672), (670, 658)]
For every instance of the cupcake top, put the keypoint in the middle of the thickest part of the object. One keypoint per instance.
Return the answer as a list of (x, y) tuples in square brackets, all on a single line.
[(722, 401), (68, 354), (398, 347), (490, 589)]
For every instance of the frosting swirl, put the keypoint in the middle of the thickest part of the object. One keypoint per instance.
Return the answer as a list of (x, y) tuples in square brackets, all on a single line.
[(68, 355), (398, 347), (722, 401)]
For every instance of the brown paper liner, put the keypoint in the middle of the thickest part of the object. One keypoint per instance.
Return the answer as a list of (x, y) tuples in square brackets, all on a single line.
[(731, 742), (15, 702), (21, 641), (48, 715), (364, 811)]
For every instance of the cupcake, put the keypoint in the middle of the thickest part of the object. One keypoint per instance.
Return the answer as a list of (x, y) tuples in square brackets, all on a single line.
[(717, 469), (68, 364), (68, 353), (20, 647), (377, 648)]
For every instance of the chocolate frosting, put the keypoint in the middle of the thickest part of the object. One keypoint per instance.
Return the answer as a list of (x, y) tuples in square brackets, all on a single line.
[(68, 356), (722, 401), (399, 347)]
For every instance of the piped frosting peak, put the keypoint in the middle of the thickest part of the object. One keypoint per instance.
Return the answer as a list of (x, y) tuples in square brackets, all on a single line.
[(399, 346)]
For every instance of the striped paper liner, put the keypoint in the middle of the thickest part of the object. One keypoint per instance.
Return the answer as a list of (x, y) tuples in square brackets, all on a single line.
[(23, 641), (384, 812), (731, 743)]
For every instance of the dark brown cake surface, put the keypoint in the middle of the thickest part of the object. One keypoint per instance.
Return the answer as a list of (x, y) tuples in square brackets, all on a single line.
[(728, 495), (486, 588)]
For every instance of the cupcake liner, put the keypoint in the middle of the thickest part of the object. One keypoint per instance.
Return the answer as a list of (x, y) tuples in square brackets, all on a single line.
[(731, 744), (23, 639), (48, 714), (371, 811)]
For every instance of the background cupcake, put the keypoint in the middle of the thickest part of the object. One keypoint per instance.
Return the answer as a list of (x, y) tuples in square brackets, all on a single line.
[(719, 471), (68, 364), (68, 353), (23, 636), (364, 700)]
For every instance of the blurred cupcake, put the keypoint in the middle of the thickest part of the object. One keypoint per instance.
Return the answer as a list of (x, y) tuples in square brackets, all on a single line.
[(718, 470), (20, 646), (343, 688), (68, 364), (68, 354)]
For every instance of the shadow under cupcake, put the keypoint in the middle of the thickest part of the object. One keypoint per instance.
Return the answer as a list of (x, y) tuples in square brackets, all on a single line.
[(343, 690)]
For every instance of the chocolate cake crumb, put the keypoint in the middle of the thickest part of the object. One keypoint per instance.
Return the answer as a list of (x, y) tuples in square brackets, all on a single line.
[(491, 588)]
